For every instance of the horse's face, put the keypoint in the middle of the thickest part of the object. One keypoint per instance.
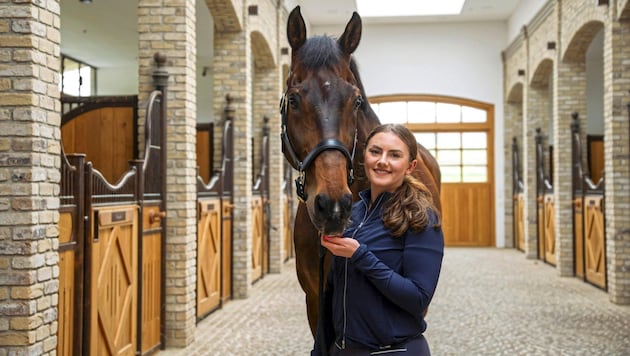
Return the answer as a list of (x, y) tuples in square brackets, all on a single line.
[(320, 121)]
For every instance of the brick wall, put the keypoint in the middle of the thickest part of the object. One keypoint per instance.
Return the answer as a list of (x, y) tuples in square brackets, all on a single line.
[(168, 27), (574, 23), (29, 176)]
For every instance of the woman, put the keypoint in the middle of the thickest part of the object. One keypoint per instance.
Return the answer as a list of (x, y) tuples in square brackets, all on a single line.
[(386, 265)]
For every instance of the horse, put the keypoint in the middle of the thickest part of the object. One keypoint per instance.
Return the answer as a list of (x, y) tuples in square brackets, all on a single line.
[(326, 119)]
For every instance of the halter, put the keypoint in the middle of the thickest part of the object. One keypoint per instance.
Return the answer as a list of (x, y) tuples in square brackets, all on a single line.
[(326, 144)]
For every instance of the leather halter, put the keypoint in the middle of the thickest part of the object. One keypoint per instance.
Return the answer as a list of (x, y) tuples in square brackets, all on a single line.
[(326, 144)]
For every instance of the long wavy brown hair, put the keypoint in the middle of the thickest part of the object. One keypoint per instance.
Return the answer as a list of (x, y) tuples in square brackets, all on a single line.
[(409, 206)]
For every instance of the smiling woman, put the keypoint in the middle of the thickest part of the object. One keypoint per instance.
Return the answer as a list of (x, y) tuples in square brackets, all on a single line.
[(459, 134)]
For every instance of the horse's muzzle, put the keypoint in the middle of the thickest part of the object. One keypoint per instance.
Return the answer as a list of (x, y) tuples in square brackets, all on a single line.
[(331, 216)]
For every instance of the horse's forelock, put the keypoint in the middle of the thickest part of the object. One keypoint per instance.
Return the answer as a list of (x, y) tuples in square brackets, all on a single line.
[(320, 51)]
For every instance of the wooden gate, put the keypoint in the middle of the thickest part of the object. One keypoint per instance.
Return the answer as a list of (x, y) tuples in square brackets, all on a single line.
[(261, 211), (214, 217), (545, 213), (113, 296), (111, 237), (71, 256), (287, 212), (518, 199), (589, 235)]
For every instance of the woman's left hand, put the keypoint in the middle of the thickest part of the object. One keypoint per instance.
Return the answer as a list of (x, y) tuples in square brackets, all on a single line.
[(339, 245)]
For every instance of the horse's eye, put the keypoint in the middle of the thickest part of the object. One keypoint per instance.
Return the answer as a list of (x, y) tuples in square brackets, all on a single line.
[(294, 101), (358, 102)]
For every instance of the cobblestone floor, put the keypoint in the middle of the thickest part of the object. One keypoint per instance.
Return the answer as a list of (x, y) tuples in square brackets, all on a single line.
[(488, 302)]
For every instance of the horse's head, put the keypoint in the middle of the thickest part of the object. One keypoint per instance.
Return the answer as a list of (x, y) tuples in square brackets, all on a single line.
[(320, 120)]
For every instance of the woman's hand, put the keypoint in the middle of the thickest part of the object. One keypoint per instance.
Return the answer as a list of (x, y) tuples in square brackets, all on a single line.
[(339, 245)]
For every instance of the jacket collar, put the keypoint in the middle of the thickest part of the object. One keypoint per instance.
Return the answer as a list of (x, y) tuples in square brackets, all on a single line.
[(366, 195)]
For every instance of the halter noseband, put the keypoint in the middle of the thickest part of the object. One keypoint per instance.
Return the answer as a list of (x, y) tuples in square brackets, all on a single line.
[(326, 144)]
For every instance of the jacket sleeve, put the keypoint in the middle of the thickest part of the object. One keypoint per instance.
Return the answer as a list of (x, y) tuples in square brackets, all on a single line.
[(422, 262)]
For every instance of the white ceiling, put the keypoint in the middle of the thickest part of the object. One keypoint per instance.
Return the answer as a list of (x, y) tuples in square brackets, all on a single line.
[(104, 33), (333, 12)]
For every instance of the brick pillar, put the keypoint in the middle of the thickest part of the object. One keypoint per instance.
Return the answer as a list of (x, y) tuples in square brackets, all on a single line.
[(232, 75), (266, 102), (29, 176), (617, 159), (511, 127), (168, 27), (570, 79)]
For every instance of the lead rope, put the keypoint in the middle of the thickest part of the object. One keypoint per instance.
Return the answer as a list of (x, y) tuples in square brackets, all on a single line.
[(320, 332)]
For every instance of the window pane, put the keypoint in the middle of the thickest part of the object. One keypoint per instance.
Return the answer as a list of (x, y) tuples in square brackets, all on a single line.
[(451, 174), (475, 174), (449, 157), (474, 140), (421, 112), (470, 114), (448, 113), (448, 140), (393, 113), (475, 157), (375, 107), (426, 139), (86, 81)]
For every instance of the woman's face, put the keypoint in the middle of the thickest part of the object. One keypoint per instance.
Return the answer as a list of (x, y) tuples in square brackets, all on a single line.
[(387, 162)]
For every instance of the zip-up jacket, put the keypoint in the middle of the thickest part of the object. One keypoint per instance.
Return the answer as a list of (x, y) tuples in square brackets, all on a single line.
[(377, 298)]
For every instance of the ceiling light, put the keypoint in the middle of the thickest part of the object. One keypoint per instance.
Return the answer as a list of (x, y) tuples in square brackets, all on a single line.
[(389, 8)]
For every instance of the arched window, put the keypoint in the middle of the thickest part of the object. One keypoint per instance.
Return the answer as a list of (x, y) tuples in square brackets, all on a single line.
[(458, 132)]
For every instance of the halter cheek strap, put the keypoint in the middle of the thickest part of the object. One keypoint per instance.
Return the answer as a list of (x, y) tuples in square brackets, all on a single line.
[(327, 144)]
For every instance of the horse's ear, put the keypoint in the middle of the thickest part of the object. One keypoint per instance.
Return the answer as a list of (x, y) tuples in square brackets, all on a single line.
[(296, 29), (349, 40)]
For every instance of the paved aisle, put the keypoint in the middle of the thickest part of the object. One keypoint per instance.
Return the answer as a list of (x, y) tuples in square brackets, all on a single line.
[(489, 302)]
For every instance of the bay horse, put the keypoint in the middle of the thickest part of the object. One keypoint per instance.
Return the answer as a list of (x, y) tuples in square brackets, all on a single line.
[(326, 119)]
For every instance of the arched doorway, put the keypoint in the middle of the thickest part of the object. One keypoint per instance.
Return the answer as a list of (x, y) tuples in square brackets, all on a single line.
[(459, 133)]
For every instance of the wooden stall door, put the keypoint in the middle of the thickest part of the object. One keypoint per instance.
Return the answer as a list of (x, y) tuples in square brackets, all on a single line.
[(105, 136), (257, 238), (540, 226), (208, 256), (578, 236), (151, 277), (594, 241), (287, 235), (67, 287), (519, 221), (226, 251), (470, 203), (113, 276), (550, 229)]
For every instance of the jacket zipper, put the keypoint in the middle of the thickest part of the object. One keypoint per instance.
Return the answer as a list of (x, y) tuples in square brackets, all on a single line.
[(366, 216)]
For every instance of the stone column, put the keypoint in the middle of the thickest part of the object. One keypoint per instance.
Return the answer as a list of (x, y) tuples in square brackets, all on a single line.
[(232, 75), (617, 158), (29, 176), (168, 27), (570, 84)]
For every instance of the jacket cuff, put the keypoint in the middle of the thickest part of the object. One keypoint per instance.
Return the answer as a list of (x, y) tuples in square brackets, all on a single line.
[(360, 252)]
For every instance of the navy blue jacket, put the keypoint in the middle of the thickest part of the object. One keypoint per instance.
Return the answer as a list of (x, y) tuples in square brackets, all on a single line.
[(378, 297)]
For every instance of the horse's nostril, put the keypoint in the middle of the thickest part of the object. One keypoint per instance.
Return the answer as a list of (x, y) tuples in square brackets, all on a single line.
[(322, 203), (346, 203)]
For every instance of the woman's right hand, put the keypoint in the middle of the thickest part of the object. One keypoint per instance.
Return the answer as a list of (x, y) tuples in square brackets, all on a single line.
[(339, 245)]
